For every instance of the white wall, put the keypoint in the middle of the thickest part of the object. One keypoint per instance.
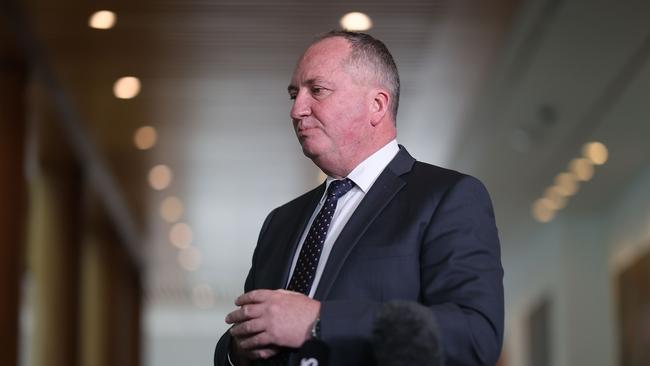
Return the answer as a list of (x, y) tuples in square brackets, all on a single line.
[(182, 335), (575, 260)]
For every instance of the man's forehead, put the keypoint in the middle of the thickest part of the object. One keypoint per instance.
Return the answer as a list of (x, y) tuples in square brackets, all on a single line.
[(322, 58), (329, 44), (328, 49)]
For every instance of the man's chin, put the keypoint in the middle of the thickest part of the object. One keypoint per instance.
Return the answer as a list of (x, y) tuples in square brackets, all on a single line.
[(310, 150), (310, 153)]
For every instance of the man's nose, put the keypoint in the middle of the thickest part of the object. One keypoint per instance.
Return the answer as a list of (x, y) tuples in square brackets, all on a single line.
[(301, 107)]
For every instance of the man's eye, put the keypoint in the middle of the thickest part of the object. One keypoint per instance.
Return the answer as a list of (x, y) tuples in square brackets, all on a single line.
[(292, 96), (316, 90)]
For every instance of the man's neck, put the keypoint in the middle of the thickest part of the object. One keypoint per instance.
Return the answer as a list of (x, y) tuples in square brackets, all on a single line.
[(339, 171)]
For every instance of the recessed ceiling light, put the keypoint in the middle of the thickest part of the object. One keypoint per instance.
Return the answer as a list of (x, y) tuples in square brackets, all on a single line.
[(567, 184), (103, 19), (556, 200), (127, 87), (181, 235), (356, 22), (596, 152), (160, 177), (582, 168), (541, 211), (145, 137), (171, 209)]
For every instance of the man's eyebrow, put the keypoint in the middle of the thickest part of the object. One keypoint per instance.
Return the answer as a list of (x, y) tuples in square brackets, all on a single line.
[(312, 81)]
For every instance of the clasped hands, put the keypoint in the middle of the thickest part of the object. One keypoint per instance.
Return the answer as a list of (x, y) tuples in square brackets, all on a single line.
[(268, 320)]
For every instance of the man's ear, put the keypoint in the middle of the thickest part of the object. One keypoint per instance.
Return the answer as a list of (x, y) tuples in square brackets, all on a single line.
[(379, 106)]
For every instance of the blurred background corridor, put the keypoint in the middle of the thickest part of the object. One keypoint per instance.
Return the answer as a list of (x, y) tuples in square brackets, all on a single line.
[(143, 142)]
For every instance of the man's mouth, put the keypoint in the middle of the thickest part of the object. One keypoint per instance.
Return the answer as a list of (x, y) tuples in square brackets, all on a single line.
[(305, 132)]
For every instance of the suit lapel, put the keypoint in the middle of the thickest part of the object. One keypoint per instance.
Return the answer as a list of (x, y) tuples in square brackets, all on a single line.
[(291, 244), (381, 193)]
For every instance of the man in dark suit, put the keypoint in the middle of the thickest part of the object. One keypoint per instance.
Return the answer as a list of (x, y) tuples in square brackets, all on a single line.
[(382, 227)]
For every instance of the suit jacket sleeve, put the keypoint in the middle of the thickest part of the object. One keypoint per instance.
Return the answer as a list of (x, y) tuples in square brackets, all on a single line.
[(460, 281)]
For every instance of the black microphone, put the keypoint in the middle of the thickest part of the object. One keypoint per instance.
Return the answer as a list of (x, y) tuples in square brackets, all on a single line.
[(313, 352), (406, 334)]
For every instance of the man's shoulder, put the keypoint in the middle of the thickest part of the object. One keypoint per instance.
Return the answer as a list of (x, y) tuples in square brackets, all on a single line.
[(433, 173), (431, 169), (416, 171), (433, 178)]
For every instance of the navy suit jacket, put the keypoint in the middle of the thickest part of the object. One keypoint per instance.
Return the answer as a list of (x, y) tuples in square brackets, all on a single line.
[(422, 233)]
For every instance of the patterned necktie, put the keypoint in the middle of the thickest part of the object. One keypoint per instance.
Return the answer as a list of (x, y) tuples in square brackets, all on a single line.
[(303, 274), (305, 271)]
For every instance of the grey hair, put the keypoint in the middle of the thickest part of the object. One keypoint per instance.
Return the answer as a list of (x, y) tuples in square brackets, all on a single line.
[(369, 51)]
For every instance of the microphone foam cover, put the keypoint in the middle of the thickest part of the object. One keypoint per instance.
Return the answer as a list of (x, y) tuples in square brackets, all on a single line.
[(405, 333)]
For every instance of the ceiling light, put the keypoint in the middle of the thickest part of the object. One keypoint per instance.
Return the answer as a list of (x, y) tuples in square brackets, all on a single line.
[(582, 168), (556, 200), (145, 137), (171, 209), (356, 21), (103, 19), (127, 87), (181, 235), (160, 177), (189, 258), (541, 211), (596, 152), (567, 184)]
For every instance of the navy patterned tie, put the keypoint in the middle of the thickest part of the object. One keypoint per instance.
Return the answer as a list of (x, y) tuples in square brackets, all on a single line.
[(303, 274), (305, 271)]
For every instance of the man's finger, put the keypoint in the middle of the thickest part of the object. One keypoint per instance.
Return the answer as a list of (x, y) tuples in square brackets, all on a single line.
[(262, 353), (244, 313), (253, 297), (248, 328), (260, 340), (257, 353)]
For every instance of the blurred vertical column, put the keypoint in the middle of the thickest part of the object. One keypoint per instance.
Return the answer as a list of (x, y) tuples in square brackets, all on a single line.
[(111, 302), (12, 192), (95, 307), (54, 237), (87, 293)]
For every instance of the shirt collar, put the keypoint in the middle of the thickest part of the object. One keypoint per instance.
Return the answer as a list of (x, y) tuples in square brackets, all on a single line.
[(367, 172)]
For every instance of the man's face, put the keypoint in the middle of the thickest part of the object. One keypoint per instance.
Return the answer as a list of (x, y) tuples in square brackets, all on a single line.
[(330, 107)]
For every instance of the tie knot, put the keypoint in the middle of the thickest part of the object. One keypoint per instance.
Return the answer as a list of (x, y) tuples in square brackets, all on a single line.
[(339, 187)]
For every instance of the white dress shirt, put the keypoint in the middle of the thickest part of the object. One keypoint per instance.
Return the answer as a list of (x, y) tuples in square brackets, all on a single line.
[(363, 176)]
